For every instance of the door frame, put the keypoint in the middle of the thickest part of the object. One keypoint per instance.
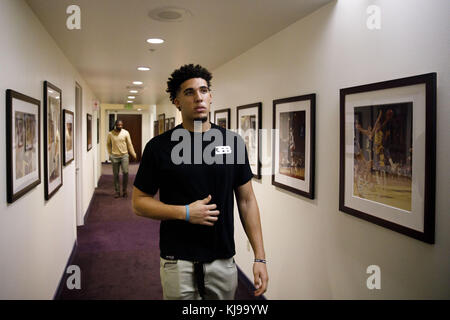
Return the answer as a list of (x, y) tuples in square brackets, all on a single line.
[(115, 113), (79, 153)]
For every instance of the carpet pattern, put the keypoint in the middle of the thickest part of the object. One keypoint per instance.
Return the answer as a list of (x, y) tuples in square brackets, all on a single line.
[(118, 252)]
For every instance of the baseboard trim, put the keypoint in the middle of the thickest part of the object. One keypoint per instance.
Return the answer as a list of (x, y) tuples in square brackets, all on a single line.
[(88, 211), (247, 283), (63, 279)]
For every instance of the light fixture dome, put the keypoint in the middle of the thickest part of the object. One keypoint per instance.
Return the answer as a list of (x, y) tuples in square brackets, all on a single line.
[(169, 14)]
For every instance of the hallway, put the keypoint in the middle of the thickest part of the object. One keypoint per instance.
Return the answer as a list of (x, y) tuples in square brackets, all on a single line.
[(118, 251), (342, 107)]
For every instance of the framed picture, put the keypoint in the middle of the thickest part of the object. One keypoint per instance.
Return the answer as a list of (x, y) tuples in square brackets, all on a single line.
[(248, 124), (161, 122), (89, 131), (53, 158), (68, 142), (155, 128), (98, 130), (222, 118), (112, 121), (172, 123), (387, 154), (294, 122), (23, 156), (166, 124)]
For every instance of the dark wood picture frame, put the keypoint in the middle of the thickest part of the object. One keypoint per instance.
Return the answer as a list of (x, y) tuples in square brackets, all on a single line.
[(10, 160), (88, 131), (423, 152), (49, 131), (309, 170), (258, 107), (67, 113), (228, 112)]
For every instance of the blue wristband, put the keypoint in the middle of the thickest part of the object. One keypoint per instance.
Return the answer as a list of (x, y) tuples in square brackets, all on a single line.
[(187, 212)]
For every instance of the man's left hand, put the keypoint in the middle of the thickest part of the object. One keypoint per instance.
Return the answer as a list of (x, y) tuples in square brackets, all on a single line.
[(261, 277)]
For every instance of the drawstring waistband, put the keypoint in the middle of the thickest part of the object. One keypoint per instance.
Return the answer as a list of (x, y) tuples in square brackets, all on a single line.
[(200, 278)]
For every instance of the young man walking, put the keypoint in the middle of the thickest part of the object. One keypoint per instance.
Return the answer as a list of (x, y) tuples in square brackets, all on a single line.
[(119, 146), (197, 166)]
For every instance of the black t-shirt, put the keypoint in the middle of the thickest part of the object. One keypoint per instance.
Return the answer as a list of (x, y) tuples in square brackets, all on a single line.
[(192, 180)]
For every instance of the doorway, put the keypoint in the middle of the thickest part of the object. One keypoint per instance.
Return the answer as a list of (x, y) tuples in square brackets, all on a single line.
[(133, 124)]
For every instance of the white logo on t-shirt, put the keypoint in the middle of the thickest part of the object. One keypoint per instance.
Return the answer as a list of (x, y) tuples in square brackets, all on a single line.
[(223, 149)]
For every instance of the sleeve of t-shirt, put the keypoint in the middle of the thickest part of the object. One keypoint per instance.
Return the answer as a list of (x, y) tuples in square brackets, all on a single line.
[(147, 178), (243, 172)]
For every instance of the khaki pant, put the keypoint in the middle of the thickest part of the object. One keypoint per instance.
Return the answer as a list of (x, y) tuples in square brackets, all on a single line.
[(118, 162), (179, 283)]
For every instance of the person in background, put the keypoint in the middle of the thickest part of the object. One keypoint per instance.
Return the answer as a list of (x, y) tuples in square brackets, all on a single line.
[(119, 148)]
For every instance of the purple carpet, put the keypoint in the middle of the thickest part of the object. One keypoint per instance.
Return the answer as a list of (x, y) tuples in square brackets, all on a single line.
[(118, 252)]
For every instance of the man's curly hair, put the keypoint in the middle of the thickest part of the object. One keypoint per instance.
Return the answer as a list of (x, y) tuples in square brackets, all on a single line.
[(186, 72)]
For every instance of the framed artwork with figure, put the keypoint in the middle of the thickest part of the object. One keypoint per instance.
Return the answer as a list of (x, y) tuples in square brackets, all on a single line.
[(161, 123), (155, 128), (387, 154), (23, 155), (166, 124), (68, 137), (248, 124), (294, 122), (53, 151), (89, 131), (222, 118)]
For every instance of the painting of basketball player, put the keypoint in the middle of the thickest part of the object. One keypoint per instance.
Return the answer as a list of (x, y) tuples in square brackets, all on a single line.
[(382, 154), (248, 127), (292, 144), (54, 140), (222, 122), (69, 136), (30, 131)]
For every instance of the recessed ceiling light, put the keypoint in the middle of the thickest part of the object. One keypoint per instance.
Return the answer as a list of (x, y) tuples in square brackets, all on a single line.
[(133, 91), (143, 68), (139, 109), (169, 14), (131, 97), (130, 101), (138, 82), (155, 40)]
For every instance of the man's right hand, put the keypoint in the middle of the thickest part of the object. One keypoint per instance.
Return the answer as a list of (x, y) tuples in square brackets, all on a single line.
[(200, 212)]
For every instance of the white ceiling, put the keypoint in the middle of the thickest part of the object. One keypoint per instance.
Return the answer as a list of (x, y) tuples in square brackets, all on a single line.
[(112, 40)]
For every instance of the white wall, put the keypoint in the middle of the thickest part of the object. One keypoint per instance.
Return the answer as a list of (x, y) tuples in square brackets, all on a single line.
[(37, 236), (314, 251)]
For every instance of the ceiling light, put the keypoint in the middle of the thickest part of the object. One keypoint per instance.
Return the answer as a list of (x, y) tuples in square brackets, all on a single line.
[(138, 82), (139, 109), (143, 68), (169, 14), (133, 91), (131, 97), (155, 40), (130, 101)]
